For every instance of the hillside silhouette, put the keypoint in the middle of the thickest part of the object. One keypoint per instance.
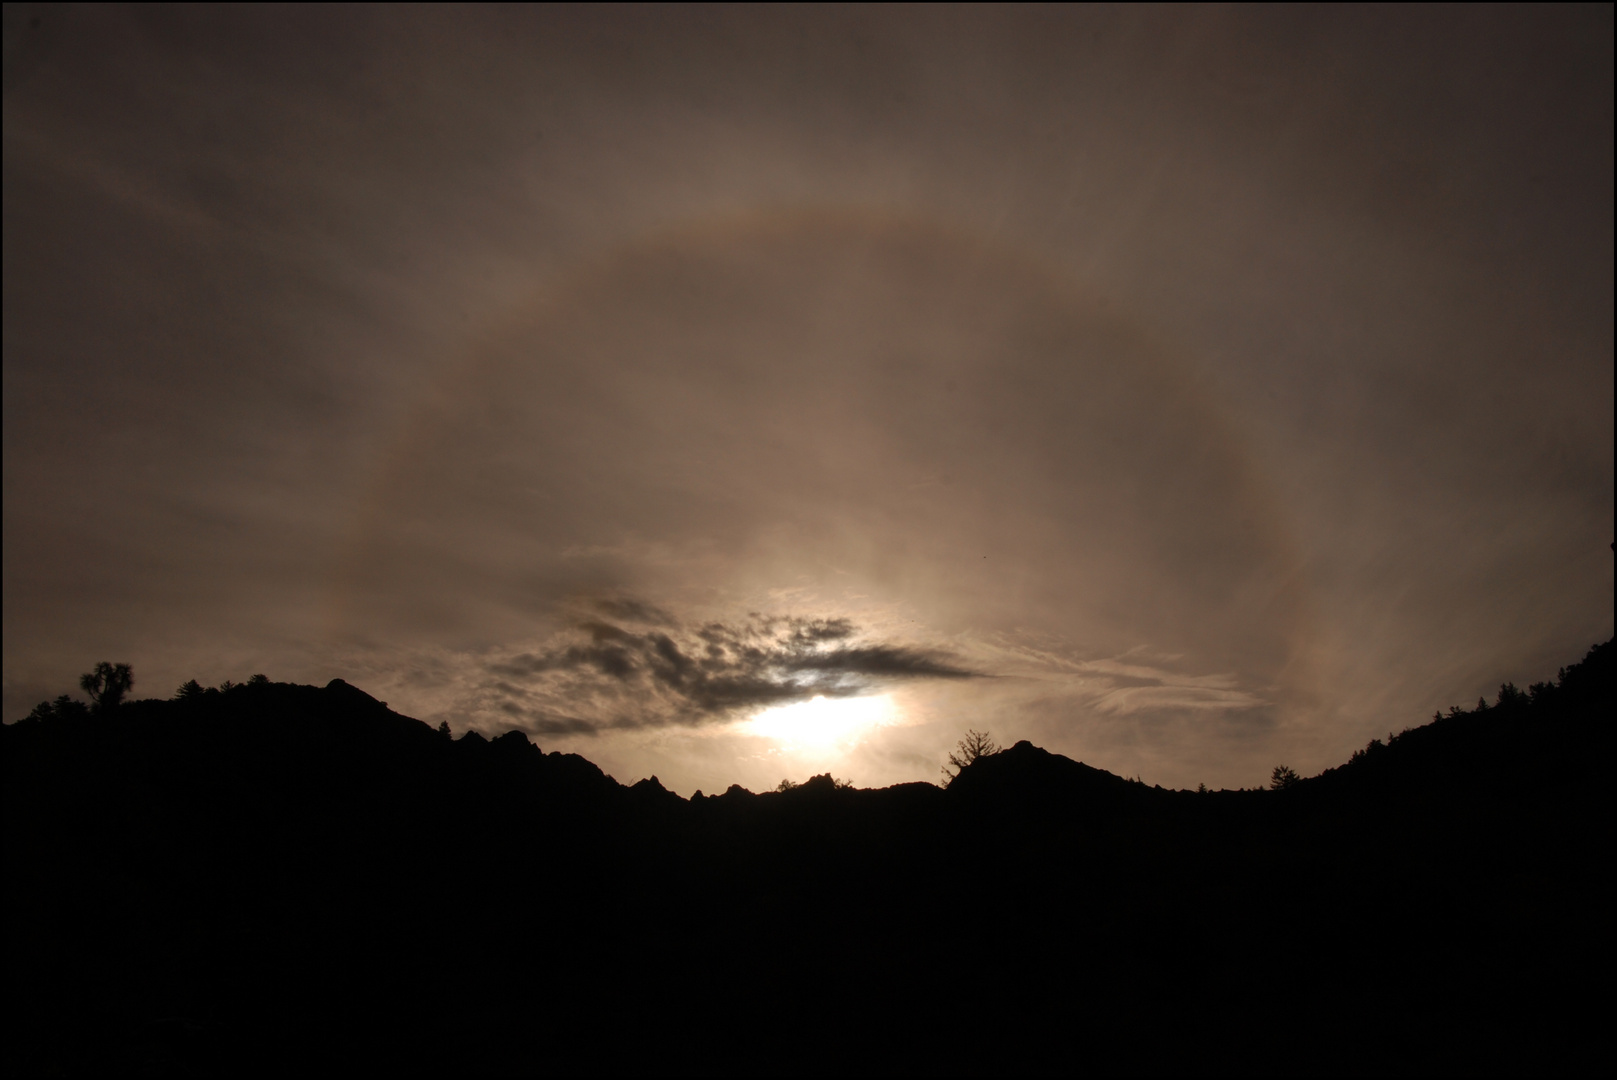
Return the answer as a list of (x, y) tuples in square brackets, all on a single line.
[(269, 877)]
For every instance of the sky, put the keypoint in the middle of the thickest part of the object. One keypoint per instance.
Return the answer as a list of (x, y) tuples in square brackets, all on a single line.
[(738, 394)]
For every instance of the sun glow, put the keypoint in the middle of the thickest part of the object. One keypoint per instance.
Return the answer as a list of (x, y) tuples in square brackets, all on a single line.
[(823, 722)]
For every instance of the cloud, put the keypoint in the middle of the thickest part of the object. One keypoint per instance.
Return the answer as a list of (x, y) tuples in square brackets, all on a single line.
[(607, 676), (636, 611), (544, 723), (880, 661), (1127, 699), (1133, 687)]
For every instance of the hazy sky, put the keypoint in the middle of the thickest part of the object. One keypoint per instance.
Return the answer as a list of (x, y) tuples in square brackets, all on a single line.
[(734, 394)]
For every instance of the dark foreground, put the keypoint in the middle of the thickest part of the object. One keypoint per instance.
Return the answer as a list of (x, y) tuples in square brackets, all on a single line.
[(284, 878)]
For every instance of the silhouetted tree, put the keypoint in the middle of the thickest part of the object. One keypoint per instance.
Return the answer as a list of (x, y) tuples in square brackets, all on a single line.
[(188, 690), (107, 685), (1372, 746), (976, 744), (258, 680), (1283, 777), (820, 781), (443, 729), (62, 708)]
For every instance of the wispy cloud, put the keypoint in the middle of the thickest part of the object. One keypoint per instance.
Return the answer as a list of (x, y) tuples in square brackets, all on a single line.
[(1181, 695), (1138, 682), (635, 611), (605, 675), (1128, 686)]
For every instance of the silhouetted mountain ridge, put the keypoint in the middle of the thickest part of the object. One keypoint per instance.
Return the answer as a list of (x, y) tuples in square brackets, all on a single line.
[(249, 877), (1038, 779)]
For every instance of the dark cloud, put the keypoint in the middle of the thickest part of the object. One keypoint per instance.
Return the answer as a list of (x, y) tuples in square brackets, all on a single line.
[(637, 611), (538, 722), (655, 677), (880, 661)]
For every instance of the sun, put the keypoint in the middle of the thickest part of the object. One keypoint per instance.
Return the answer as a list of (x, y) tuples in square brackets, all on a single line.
[(823, 722)]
